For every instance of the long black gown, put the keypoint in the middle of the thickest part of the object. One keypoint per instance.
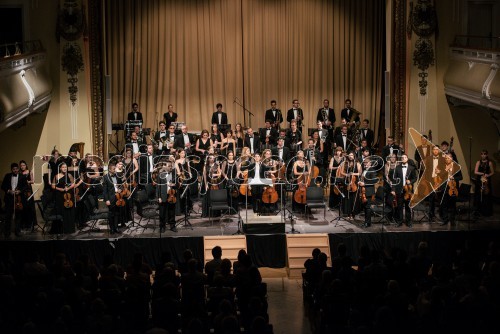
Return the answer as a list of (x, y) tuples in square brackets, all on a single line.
[(67, 226), (482, 199)]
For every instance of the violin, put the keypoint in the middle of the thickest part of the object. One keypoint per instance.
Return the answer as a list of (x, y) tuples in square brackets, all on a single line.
[(452, 188), (484, 185), (18, 202), (68, 202), (363, 194), (122, 194), (353, 184), (172, 199), (408, 191)]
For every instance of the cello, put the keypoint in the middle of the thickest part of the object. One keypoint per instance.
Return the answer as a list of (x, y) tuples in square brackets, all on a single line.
[(270, 195), (303, 181)]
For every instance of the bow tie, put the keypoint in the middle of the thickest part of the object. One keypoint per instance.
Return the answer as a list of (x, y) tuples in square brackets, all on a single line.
[(251, 137), (404, 166), (435, 158), (344, 135), (163, 132)]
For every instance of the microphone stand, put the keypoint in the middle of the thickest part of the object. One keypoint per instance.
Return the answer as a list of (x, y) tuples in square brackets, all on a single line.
[(250, 114)]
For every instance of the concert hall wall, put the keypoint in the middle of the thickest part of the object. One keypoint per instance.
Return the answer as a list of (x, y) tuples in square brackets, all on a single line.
[(195, 54)]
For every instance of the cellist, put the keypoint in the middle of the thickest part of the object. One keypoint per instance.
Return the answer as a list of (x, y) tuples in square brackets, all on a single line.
[(300, 175), (351, 171)]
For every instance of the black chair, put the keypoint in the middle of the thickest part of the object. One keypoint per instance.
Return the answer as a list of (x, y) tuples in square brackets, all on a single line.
[(47, 211), (94, 213), (463, 198), (314, 200), (379, 207), (147, 213), (219, 201)]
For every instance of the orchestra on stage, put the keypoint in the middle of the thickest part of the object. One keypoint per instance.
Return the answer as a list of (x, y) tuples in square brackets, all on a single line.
[(266, 169)]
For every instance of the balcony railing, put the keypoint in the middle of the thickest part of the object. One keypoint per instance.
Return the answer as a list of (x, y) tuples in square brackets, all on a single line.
[(477, 42), (17, 49)]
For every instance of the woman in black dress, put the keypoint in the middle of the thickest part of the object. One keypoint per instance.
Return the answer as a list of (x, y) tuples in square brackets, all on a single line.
[(211, 181), (185, 179), (239, 136), (299, 177), (203, 144), (351, 170), (482, 195), (29, 213), (228, 144), (63, 184), (217, 138), (336, 183), (229, 172), (389, 181), (170, 116)]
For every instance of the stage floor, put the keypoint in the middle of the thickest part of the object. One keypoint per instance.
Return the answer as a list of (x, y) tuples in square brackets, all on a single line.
[(315, 223)]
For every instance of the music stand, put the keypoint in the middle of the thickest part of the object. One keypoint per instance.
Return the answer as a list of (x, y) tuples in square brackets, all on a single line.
[(185, 220), (342, 197), (255, 182), (291, 217)]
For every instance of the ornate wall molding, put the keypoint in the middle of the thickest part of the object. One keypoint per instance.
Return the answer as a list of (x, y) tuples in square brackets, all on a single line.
[(96, 76), (398, 69)]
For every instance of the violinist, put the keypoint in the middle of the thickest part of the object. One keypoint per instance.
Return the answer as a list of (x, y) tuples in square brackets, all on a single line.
[(389, 183), (483, 202), (433, 177), (229, 143), (446, 148), (203, 144), (184, 177), (112, 187), (320, 146), (300, 175), (211, 180), (350, 171), (422, 152), (252, 141), (63, 183), (450, 193), (131, 167), (13, 185), (29, 212), (333, 168), (367, 182), (165, 191), (405, 174)]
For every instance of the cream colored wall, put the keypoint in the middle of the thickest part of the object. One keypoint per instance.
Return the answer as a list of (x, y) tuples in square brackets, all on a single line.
[(53, 127)]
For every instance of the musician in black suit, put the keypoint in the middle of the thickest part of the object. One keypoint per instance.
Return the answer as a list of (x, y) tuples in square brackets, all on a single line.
[(295, 113), (14, 184), (146, 167), (111, 186), (312, 155), (170, 116), (447, 209), (343, 140), (294, 137), (350, 114), (281, 151), (274, 115), (160, 137), (404, 174), (422, 152), (368, 179), (219, 117), (367, 133), (433, 176), (166, 181), (184, 140), (256, 170), (327, 116), (252, 141), (135, 114), (391, 148), (269, 135)]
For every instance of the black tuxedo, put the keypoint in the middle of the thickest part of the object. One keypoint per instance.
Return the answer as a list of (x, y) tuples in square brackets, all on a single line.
[(370, 179), (370, 136), (256, 143), (330, 116), (180, 143), (386, 151), (278, 118), (285, 154), (167, 210), (145, 174), (132, 117), (290, 117), (398, 188), (421, 155), (308, 153), (215, 118), (273, 135), (22, 186), (108, 189), (348, 114), (340, 142)]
